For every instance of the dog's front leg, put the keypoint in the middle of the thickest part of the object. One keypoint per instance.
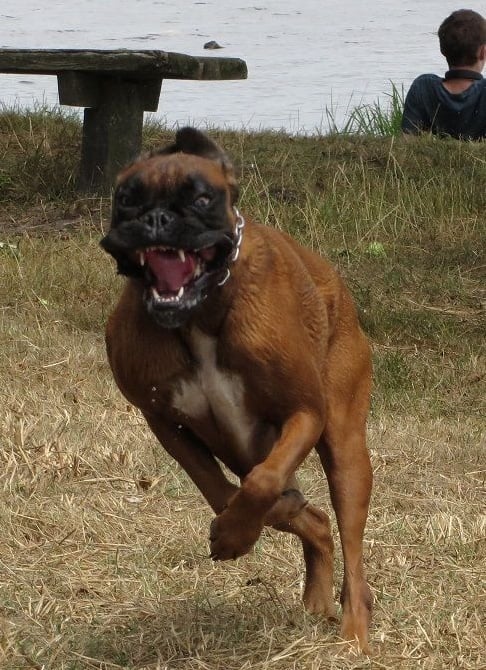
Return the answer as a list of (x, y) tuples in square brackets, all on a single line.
[(195, 458), (238, 527)]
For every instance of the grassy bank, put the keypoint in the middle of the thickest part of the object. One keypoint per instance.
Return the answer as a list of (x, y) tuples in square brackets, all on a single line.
[(104, 561)]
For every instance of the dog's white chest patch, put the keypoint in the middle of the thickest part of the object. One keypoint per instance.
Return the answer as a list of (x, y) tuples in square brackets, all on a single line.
[(216, 392)]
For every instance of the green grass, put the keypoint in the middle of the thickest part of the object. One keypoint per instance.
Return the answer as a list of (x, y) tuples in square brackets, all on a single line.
[(402, 218), (375, 119), (39, 150)]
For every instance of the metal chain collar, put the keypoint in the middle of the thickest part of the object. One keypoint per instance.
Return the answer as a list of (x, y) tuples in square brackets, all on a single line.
[(240, 224)]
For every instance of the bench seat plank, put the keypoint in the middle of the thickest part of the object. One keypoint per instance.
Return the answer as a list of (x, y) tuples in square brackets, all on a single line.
[(142, 64)]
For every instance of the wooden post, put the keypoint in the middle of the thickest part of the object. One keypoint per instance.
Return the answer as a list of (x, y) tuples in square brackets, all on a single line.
[(111, 138), (113, 122)]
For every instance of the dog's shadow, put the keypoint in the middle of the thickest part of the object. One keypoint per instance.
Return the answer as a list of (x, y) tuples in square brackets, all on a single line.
[(205, 630)]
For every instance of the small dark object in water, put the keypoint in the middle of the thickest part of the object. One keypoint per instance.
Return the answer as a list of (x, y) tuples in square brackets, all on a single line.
[(212, 45)]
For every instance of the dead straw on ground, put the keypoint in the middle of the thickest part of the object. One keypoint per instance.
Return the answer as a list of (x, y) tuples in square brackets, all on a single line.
[(104, 556)]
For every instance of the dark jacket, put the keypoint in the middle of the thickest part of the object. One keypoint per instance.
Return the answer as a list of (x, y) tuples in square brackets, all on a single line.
[(430, 107)]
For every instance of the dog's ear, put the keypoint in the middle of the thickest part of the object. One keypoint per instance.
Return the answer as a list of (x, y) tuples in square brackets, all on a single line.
[(190, 140), (193, 141)]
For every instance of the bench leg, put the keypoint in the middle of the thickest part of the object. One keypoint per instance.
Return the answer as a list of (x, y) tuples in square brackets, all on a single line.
[(112, 133), (113, 120)]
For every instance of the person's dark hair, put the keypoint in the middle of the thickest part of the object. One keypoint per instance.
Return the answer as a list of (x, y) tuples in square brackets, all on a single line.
[(460, 36)]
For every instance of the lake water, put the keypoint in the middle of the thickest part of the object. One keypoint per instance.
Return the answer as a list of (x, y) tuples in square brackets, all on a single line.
[(303, 57)]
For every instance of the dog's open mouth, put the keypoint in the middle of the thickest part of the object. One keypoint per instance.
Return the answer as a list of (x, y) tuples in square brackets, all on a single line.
[(177, 267), (174, 277)]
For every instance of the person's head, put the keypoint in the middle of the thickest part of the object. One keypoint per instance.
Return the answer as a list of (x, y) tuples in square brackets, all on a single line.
[(462, 38)]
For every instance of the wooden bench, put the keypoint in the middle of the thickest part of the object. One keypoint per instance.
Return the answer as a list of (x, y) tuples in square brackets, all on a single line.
[(115, 87)]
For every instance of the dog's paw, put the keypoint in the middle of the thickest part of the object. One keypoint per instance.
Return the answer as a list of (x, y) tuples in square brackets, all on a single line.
[(231, 536)]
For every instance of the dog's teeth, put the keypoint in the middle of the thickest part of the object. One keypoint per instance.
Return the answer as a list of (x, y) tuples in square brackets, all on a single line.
[(155, 293), (197, 271), (141, 257), (182, 255), (181, 293)]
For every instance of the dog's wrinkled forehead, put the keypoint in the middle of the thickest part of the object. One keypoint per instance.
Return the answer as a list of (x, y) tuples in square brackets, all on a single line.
[(170, 173), (193, 156)]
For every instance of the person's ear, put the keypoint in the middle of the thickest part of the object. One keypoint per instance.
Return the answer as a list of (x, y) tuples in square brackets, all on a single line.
[(482, 52)]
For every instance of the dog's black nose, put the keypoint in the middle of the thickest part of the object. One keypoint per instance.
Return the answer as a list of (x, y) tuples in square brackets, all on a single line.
[(158, 219)]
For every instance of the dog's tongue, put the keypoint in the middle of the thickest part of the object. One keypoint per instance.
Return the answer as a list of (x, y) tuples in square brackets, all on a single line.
[(169, 270)]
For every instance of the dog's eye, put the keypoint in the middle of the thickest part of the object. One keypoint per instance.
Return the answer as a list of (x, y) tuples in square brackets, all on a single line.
[(125, 200), (202, 201)]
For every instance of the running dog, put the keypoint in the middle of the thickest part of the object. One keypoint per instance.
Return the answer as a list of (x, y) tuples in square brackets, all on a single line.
[(241, 347)]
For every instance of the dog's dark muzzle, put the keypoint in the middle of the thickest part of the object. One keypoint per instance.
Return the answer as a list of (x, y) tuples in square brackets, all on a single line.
[(178, 263), (158, 228)]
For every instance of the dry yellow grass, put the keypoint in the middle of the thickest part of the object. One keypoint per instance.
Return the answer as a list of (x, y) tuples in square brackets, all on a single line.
[(104, 554)]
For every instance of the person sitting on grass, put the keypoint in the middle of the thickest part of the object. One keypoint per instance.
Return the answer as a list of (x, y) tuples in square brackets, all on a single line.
[(454, 105)]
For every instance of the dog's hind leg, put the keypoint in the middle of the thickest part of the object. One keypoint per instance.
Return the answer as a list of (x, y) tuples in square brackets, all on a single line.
[(313, 527), (349, 477), (346, 462)]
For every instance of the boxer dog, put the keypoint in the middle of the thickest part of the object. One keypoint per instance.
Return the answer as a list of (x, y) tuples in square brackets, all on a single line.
[(242, 348)]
